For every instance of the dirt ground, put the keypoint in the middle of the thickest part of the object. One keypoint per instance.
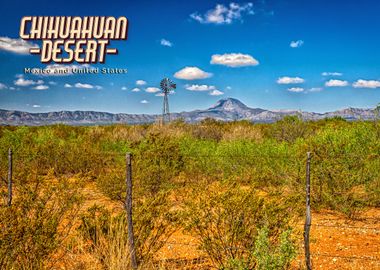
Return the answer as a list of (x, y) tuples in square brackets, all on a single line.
[(336, 243)]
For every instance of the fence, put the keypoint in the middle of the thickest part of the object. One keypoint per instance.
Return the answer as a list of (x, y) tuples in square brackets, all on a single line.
[(234, 166)]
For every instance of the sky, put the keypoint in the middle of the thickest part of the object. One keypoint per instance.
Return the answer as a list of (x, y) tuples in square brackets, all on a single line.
[(273, 54)]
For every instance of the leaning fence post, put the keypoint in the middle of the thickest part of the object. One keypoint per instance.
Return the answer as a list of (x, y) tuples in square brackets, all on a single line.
[(10, 195), (128, 205), (308, 215)]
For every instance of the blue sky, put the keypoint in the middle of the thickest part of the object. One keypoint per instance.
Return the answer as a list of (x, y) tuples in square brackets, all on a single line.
[(274, 54)]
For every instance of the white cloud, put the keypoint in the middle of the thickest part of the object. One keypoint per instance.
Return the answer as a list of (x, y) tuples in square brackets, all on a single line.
[(191, 73), (98, 87), (124, 88), (41, 87), (23, 82), (16, 45), (159, 94), (336, 83), (84, 85), (228, 87), (67, 85), (290, 80), (152, 90), (234, 60), (197, 87), (140, 82), (144, 101), (315, 89), (332, 74), (366, 84), (222, 14), (36, 106), (3, 86), (216, 93), (296, 43), (165, 42), (136, 89), (52, 83), (296, 89)]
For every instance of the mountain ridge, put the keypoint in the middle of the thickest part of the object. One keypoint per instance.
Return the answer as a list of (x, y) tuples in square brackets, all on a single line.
[(228, 109)]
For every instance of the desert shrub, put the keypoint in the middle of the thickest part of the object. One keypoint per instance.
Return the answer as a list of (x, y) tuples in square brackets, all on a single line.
[(226, 221), (289, 129), (33, 229), (345, 160), (208, 129), (153, 222), (157, 160), (270, 256), (242, 131)]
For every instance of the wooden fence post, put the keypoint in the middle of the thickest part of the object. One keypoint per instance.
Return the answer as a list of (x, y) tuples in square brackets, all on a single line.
[(308, 215), (10, 195), (128, 205)]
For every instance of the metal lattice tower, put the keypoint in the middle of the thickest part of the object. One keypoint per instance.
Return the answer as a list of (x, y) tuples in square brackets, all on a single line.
[(167, 86)]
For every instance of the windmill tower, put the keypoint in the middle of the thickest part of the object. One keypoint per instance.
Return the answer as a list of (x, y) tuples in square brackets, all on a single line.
[(167, 86)]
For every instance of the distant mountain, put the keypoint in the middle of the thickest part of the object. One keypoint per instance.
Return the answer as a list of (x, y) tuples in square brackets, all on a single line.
[(229, 109)]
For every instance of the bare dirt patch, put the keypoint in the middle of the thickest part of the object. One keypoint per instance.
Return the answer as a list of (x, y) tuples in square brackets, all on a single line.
[(336, 243)]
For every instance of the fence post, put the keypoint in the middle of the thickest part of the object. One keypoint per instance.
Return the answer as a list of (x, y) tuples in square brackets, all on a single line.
[(10, 195), (308, 215), (128, 205)]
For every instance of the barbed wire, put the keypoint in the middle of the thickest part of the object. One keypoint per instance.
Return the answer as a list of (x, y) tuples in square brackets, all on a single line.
[(213, 154), (345, 257), (346, 227), (298, 253)]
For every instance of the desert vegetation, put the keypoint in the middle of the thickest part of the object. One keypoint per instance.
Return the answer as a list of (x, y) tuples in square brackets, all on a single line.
[(238, 188)]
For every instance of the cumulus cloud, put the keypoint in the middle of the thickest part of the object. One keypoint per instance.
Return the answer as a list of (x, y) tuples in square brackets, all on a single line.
[(290, 80), (336, 83), (296, 89), (331, 74), (191, 73), (296, 43), (36, 106), (166, 43), (84, 85), (152, 90), (216, 93), (16, 45), (197, 87), (222, 14), (21, 81), (124, 88), (144, 101), (234, 60), (67, 85), (366, 84), (3, 86), (41, 87), (136, 89), (140, 82), (98, 87)]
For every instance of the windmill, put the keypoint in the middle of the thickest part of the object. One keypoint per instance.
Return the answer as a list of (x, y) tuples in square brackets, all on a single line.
[(167, 86)]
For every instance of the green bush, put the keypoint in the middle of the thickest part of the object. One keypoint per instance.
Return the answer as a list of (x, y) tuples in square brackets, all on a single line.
[(227, 220)]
